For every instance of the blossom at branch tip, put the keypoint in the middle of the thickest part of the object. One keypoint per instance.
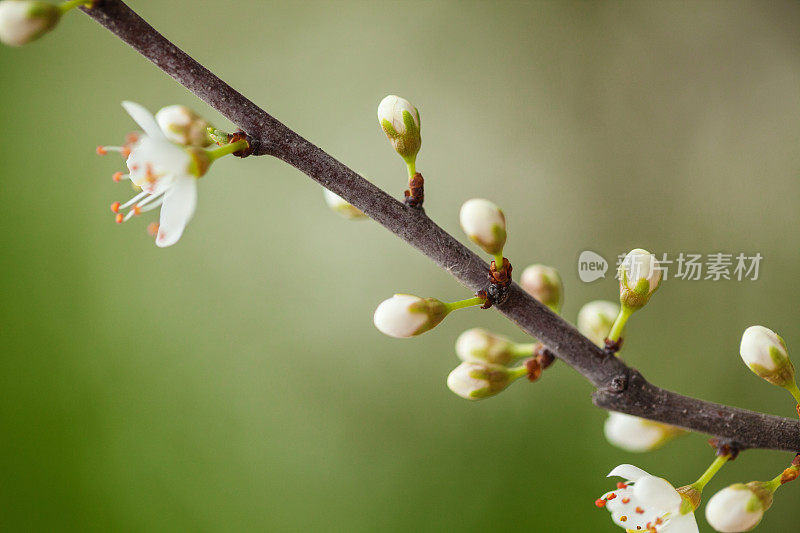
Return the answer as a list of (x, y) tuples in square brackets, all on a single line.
[(647, 503), (635, 434), (165, 173), (595, 320), (485, 224), (22, 21), (639, 277), (342, 206)]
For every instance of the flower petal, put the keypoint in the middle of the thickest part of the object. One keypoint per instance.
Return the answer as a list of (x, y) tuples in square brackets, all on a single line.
[(684, 523), (657, 494), (144, 119), (629, 472), (179, 203)]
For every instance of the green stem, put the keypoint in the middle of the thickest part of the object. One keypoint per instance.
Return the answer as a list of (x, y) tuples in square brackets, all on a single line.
[(794, 391), (226, 149), (523, 350), (710, 472), (412, 167), (461, 304), (774, 483), (70, 4), (517, 372), (619, 324), (498, 260)]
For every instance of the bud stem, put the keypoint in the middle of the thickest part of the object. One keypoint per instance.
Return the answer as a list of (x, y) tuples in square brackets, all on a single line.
[(625, 313), (226, 149), (517, 372), (710, 472), (461, 304), (795, 392), (70, 4), (523, 350), (412, 167)]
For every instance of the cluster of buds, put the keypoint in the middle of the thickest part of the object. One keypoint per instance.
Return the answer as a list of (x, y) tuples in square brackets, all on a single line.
[(490, 363), (23, 21)]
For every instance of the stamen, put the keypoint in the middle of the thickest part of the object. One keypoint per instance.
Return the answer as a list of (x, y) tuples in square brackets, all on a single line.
[(611, 496), (137, 210), (119, 219), (119, 176), (132, 137), (623, 518), (133, 200), (149, 204), (621, 485), (640, 510), (626, 500), (101, 150), (115, 207), (125, 152), (152, 229), (600, 502)]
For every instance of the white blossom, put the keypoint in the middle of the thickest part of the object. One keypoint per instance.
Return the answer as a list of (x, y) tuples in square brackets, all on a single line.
[(22, 21), (765, 353), (342, 206), (183, 126), (405, 315), (639, 277), (165, 173), (735, 508), (543, 283), (485, 224), (595, 320), (647, 503), (400, 122), (636, 434)]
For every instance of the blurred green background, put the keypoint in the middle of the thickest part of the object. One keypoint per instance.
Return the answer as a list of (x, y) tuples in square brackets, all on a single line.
[(235, 381)]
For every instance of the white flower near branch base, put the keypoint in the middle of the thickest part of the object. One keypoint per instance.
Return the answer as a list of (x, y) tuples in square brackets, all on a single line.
[(475, 381), (738, 507), (183, 126), (480, 346), (485, 224), (342, 206), (639, 277), (22, 21), (647, 503), (400, 122), (635, 434), (765, 353), (166, 174), (405, 315), (543, 283), (595, 320)]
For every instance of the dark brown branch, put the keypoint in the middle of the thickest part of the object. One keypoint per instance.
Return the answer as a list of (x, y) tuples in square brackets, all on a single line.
[(620, 388)]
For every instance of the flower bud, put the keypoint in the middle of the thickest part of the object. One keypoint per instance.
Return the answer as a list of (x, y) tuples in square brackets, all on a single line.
[(475, 381), (183, 126), (639, 277), (22, 21), (400, 122), (595, 320), (738, 507), (485, 224), (342, 206), (635, 434), (404, 315), (765, 353), (480, 346), (544, 284)]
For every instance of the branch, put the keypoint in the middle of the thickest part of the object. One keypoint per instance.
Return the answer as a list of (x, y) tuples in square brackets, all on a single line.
[(620, 388)]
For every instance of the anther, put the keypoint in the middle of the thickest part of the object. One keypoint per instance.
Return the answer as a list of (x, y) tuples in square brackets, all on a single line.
[(132, 137), (600, 502), (115, 207), (117, 176), (621, 485), (101, 150), (119, 218), (152, 229)]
